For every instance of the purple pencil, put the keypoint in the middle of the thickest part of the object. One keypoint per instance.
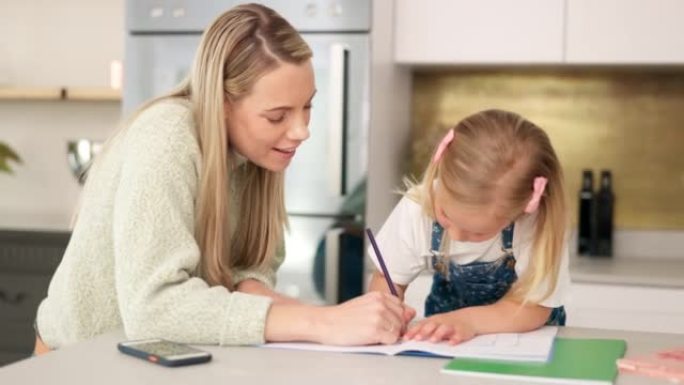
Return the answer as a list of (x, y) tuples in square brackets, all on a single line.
[(393, 290)]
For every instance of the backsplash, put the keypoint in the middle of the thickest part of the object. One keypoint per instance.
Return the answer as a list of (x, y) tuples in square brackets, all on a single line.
[(42, 193), (627, 120)]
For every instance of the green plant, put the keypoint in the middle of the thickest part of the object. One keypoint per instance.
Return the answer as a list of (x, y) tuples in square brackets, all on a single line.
[(7, 155)]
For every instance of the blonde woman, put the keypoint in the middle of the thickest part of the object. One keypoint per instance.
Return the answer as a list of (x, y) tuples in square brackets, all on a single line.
[(489, 219), (180, 229)]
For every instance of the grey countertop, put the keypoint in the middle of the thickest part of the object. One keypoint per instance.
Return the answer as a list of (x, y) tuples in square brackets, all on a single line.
[(652, 272), (34, 221), (98, 362)]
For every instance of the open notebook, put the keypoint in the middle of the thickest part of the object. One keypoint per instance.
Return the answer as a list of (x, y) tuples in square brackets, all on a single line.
[(531, 346)]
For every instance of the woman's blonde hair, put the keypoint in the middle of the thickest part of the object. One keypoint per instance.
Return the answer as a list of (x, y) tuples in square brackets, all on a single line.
[(237, 49), (492, 162)]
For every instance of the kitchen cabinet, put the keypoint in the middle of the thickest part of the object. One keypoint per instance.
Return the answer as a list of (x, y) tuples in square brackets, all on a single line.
[(457, 32), (625, 32), (624, 307), (50, 48), (27, 262), (479, 32)]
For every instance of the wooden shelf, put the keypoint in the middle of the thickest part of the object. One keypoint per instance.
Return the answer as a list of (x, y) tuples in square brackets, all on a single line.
[(30, 93), (92, 93), (105, 94)]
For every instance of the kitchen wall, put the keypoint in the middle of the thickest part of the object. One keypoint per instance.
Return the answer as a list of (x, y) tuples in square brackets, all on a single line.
[(60, 43), (628, 120), (43, 192), (44, 43)]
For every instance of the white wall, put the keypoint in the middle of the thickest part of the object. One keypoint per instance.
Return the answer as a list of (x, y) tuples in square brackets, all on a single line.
[(389, 119), (53, 43)]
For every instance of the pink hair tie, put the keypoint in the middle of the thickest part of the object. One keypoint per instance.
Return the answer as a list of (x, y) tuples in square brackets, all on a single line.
[(443, 145), (539, 187)]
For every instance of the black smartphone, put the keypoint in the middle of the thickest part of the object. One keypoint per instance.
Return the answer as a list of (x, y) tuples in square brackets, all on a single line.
[(164, 352)]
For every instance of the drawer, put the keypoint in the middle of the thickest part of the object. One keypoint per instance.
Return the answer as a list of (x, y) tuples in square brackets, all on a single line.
[(662, 322), (613, 297), (18, 337), (623, 307), (20, 295), (31, 252), (10, 357)]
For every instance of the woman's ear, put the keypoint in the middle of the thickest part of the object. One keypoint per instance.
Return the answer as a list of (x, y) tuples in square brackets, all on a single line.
[(226, 106)]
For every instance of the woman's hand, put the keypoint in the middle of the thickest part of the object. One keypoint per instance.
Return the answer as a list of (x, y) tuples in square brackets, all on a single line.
[(451, 327), (369, 319)]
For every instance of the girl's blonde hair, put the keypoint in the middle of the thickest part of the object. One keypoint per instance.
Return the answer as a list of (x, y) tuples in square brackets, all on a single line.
[(238, 48), (492, 162)]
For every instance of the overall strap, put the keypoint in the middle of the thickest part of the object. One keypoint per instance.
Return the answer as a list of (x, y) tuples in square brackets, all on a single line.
[(436, 237), (507, 239)]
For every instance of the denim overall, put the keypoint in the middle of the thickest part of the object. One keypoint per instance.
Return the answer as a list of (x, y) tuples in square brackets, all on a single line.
[(475, 283)]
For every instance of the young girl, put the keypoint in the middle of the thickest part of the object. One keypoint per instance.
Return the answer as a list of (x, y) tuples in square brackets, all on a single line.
[(489, 218), (180, 230)]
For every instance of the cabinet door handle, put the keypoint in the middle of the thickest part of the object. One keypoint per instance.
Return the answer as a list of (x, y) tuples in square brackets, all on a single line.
[(332, 265), (13, 300), (338, 129)]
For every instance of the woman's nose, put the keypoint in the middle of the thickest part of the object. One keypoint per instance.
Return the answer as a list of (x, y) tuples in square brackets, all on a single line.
[(299, 131)]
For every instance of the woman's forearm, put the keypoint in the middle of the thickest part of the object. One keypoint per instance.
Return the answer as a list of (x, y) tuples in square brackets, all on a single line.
[(252, 286), (369, 319), (294, 322)]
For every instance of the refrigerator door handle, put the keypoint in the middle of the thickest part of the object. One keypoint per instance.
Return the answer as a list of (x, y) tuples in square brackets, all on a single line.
[(338, 130), (332, 265)]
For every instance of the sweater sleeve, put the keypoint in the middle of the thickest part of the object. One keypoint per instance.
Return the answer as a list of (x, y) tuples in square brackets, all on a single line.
[(156, 255), (265, 274)]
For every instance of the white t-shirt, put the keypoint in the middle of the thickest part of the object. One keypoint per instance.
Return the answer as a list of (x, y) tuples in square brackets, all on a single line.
[(405, 243)]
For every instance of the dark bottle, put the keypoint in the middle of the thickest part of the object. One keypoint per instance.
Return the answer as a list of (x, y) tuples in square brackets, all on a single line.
[(605, 202), (586, 215)]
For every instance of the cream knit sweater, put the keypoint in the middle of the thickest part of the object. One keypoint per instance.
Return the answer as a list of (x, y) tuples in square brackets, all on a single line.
[(132, 257)]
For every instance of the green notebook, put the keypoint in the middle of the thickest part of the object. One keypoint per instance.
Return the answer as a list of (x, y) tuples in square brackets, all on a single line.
[(589, 361)]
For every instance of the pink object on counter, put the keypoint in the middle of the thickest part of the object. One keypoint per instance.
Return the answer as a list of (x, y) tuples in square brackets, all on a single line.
[(666, 364)]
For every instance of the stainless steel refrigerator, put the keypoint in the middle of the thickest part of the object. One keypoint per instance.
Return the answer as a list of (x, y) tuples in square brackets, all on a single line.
[(325, 183)]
